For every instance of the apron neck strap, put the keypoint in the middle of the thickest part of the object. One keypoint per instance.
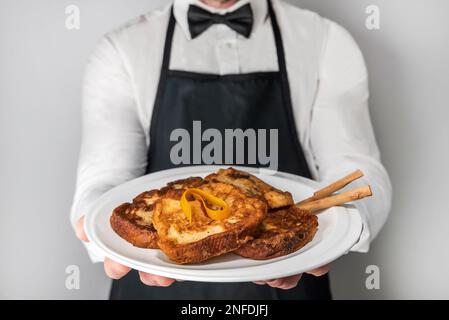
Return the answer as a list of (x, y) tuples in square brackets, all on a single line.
[(276, 31), (277, 38), (169, 41)]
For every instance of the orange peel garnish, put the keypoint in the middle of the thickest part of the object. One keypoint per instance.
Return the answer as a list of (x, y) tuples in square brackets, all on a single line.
[(203, 196)]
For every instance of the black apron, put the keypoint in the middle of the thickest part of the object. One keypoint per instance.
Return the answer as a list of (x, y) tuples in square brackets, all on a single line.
[(247, 101)]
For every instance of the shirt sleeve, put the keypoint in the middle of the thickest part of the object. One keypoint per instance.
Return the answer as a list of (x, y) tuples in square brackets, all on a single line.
[(342, 137), (113, 148)]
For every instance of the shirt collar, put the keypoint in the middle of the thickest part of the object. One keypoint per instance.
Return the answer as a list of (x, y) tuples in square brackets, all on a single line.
[(180, 8)]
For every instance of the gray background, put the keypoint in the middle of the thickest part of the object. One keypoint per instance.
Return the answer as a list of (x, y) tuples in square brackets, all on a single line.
[(41, 65)]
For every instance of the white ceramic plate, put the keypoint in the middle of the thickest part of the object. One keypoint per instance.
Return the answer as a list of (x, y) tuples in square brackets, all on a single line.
[(339, 229)]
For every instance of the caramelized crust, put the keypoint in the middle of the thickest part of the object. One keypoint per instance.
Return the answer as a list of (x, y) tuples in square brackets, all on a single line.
[(131, 228), (134, 221), (203, 238), (282, 232), (253, 186)]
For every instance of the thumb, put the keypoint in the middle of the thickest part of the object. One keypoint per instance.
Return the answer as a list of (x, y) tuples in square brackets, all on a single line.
[(79, 230)]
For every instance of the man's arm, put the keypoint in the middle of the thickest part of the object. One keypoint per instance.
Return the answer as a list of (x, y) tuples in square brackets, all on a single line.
[(342, 137), (113, 149), (113, 144)]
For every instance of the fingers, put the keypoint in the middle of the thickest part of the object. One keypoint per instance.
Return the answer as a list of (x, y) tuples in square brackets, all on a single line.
[(291, 282), (115, 270), (285, 283), (318, 272), (282, 283), (79, 230), (153, 280)]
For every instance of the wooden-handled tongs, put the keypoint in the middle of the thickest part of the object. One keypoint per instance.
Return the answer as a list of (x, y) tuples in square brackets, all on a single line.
[(325, 197)]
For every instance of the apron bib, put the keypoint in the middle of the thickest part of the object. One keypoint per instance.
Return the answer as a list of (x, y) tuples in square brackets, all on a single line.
[(242, 101)]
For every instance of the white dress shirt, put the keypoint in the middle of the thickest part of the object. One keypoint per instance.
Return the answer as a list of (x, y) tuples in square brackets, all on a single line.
[(328, 81)]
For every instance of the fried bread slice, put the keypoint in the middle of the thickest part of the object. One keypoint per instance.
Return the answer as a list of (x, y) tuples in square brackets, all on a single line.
[(282, 232), (134, 224), (253, 186), (203, 238), (134, 221)]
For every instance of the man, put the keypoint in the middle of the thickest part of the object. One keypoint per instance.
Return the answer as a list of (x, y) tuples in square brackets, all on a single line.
[(249, 64)]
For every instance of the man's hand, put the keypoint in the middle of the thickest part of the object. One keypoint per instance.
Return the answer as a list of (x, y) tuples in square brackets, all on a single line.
[(291, 282), (117, 271)]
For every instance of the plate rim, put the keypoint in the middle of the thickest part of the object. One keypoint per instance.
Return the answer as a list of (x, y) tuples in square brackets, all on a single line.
[(354, 224)]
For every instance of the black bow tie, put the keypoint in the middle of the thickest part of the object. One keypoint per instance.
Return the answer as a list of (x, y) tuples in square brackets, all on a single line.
[(241, 20)]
